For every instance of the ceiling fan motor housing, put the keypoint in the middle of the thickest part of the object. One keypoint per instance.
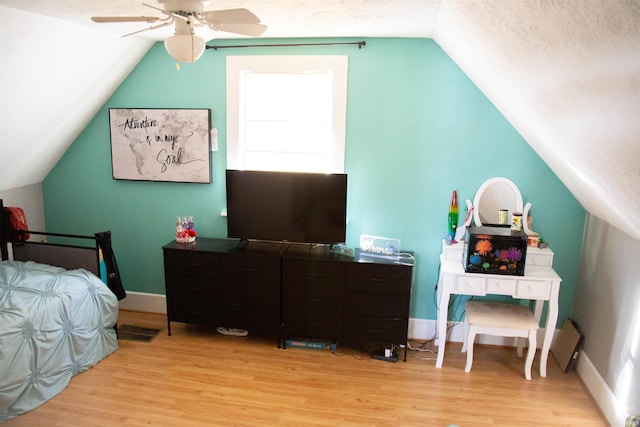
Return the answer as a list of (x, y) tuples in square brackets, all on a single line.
[(196, 6)]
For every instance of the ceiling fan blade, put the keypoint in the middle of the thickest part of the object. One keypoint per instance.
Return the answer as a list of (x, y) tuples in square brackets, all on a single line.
[(166, 12), (253, 30), (228, 16), (153, 27), (111, 19)]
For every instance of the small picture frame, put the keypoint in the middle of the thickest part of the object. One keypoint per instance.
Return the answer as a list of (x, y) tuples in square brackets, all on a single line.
[(169, 145)]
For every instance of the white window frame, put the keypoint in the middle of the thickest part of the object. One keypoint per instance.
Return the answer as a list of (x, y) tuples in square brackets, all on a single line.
[(336, 65)]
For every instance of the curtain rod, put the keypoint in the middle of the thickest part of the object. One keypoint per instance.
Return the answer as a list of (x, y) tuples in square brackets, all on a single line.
[(360, 44)]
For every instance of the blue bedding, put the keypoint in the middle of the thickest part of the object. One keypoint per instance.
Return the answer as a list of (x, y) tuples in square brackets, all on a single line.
[(54, 324)]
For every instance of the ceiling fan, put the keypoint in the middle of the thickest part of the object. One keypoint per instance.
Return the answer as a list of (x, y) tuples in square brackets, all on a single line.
[(184, 45)]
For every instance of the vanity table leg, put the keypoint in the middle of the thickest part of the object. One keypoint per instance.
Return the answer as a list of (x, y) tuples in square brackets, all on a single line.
[(443, 314), (549, 327), (537, 314)]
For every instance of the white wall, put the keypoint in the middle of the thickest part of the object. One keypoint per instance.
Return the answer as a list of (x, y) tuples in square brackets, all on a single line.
[(30, 199), (54, 77), (606, 308)]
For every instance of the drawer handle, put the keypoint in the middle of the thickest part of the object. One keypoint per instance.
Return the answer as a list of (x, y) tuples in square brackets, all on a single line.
[(377, 280), (316, 274), (315, 299), (378, 305), (248, 269), (376, 331)]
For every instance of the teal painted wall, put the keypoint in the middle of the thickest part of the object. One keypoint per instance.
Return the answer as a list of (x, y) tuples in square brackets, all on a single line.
[(417, 128)]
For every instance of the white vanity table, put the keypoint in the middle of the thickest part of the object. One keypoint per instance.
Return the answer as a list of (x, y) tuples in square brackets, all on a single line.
[(540, 282)]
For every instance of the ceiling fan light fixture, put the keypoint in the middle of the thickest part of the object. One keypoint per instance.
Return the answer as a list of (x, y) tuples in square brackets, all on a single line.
[(185, 47)]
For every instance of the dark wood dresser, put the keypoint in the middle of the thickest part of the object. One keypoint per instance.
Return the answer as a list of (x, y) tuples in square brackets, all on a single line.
[(281, 290)]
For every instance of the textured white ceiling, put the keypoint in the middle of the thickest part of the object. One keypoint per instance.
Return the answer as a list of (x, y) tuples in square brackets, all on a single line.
[(284, 18), (566, 73)]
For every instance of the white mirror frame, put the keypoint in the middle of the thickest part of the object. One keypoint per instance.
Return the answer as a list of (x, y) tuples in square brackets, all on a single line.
[(519, 204)]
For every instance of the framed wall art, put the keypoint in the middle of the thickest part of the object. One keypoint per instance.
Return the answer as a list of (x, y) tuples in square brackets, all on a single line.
[(161, 144)]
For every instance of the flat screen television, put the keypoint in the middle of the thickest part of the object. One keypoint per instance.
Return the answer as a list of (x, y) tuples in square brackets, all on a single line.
[(287, 206)]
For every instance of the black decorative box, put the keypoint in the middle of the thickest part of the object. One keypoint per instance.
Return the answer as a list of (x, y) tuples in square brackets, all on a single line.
[(495, 250)]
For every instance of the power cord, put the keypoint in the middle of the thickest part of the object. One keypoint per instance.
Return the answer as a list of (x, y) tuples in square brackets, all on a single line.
[(421, 349)]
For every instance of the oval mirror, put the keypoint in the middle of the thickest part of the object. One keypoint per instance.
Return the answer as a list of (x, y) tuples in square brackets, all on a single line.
[(492, 196)]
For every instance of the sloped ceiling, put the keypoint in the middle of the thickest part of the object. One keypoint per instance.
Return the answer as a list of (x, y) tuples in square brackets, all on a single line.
[(565, 73)]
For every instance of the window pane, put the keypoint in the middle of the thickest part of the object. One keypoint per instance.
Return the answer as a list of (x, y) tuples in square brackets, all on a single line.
[(293, 137), (286, 162), (286, 113), (286, 96)]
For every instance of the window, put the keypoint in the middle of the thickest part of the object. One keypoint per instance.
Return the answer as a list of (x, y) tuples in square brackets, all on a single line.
[(286, 113)]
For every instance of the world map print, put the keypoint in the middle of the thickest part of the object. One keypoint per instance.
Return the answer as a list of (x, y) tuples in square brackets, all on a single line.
[(161, 144)]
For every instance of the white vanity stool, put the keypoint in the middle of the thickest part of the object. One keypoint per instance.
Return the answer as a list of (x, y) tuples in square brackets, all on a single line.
[(500, 319)]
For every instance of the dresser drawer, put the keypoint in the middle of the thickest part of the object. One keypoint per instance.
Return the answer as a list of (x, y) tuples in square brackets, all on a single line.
[(313, 322), (195, 288), (189, 311), (453, 252), (378, 278), (315, 274), (244, 269), (378, 304), (470, 285), (252, 292), (533, 289), (539, 260), (501, 286), (539, 257), (261, 321), (380, 330), (193, 263), (313, 295)]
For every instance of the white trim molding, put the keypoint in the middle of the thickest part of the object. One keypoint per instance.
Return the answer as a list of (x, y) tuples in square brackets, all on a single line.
[(142, 301), (600, 391)]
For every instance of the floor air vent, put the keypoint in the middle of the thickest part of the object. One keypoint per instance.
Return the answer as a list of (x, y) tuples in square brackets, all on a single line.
[(137, 333)]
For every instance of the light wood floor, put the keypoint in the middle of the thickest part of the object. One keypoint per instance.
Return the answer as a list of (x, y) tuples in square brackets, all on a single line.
[(199, 378)]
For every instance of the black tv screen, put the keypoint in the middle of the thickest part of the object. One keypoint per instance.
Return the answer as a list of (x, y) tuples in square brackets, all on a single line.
[(287, 206)]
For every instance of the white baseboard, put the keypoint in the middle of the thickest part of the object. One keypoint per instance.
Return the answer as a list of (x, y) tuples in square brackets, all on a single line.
[(141, 301), (425, 329), (421, 329), (600, 391)]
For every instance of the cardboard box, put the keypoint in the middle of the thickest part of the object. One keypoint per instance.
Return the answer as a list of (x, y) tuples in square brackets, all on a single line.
[(567, 346), (495, 250)]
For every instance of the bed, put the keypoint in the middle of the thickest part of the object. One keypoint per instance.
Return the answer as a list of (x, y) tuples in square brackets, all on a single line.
[(57, 315)]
